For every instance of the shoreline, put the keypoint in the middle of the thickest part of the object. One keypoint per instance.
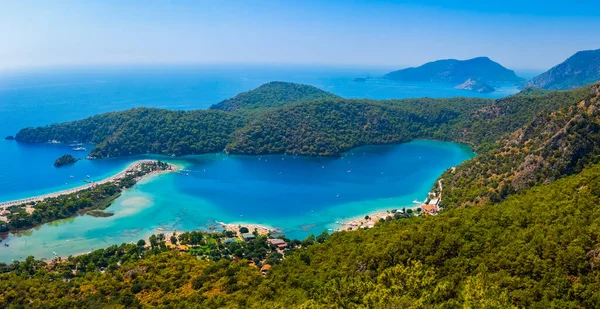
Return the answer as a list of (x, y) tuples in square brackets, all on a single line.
[(260, 228), (130, 167), (358, 222)]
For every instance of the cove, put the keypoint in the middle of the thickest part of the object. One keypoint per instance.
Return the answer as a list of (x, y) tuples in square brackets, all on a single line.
[(298, 195)]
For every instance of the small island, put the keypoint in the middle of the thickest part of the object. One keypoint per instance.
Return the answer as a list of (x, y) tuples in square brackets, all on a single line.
[(64, 160), (477, 86), (10, 138)]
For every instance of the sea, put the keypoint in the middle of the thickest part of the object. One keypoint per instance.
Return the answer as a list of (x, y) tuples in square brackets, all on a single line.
[(297, 195)]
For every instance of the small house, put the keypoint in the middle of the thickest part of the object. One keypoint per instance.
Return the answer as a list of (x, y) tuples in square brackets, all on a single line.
[(248, 236), (430, 209), (279, 243)]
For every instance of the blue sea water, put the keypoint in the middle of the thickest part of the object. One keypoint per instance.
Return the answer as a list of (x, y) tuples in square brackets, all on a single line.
[(296, 194)]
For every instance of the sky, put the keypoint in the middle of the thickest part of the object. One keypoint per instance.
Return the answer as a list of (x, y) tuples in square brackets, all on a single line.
[(520, 34)]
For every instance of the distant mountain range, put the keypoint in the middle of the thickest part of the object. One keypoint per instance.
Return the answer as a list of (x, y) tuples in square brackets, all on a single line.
[(481, 69), (581, 69)]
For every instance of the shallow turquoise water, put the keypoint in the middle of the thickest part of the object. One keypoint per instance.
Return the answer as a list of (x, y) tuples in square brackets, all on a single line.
[(298, 195)]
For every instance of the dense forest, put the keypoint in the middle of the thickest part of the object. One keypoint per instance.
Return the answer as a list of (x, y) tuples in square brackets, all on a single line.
[(536, 249), (550, 145), (326, 126), (143, 130)]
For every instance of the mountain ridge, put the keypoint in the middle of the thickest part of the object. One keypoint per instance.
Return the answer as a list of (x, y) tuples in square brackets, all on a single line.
[(580, 69)]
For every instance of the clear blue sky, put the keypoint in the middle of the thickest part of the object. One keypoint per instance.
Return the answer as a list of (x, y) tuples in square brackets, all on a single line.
[(520, 34)]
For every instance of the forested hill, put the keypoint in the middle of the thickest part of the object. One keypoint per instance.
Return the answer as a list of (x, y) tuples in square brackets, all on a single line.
[(581, 69), (538, 249), (331, 126), (143, 130), (555, 143), (319, 127), (482, 69), (338, 125), (272, 94)]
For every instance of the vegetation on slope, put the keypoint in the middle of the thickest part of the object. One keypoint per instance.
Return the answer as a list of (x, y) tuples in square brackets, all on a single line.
[(319, 127), (331, 126), (550, 146), (537, 249), (143, 130), (272, 94)]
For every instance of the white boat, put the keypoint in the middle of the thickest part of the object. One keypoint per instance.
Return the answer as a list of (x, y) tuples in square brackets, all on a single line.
[(79, 149)]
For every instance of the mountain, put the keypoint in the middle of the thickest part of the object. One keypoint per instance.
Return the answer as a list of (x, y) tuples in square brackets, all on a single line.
[(578, 70), (553, 144), (477, 86), (329, 127), (272, 94), (482, 69)]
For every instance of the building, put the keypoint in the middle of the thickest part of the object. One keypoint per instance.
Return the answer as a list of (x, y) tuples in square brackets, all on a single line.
[(248, 236), (279, 243), (434, 201), (430, 209)]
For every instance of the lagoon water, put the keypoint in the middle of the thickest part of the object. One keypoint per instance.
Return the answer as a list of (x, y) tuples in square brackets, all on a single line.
[(296, 194)]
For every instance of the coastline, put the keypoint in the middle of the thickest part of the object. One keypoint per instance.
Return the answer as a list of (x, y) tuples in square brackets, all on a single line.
[(130, 167), (260, 228)]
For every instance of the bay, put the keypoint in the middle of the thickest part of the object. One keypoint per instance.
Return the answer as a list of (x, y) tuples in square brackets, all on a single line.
[(297, 195), (294, 194)]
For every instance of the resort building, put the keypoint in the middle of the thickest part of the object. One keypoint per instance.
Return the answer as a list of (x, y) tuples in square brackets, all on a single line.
[(430, 209), (279, 243), (248, 236)]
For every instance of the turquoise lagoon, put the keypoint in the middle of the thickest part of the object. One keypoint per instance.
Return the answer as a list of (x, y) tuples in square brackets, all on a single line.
[(298, 195)]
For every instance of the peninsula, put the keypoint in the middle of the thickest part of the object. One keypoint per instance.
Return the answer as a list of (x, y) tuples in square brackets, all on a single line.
[(29, 212)]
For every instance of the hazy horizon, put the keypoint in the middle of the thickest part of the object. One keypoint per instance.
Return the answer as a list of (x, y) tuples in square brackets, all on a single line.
[(389, 34)]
